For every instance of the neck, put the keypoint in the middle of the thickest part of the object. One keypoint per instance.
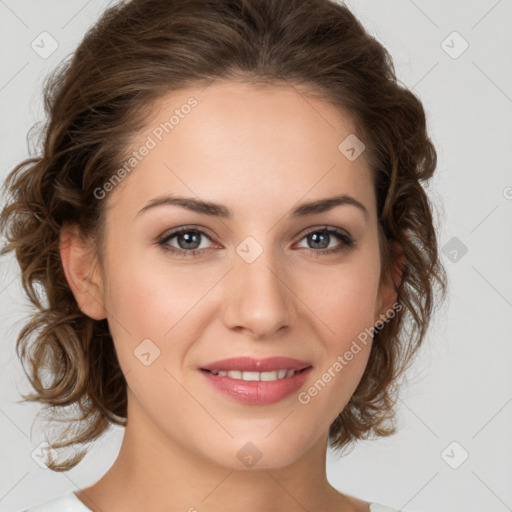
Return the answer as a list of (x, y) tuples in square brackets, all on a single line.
[(153, 472)]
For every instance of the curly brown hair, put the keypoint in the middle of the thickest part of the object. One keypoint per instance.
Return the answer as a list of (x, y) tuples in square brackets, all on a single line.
[(96, 102)]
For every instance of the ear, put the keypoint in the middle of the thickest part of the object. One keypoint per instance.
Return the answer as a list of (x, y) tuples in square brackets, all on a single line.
[(387, 296), (82, 272)]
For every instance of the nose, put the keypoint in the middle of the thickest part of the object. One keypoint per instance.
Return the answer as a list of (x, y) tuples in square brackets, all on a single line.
[(258, 298)]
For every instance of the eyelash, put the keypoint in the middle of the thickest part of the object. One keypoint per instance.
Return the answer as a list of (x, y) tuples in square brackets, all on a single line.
[(348, 242)]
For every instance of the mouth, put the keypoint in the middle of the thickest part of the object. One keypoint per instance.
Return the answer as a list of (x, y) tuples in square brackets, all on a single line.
[(257, 381)]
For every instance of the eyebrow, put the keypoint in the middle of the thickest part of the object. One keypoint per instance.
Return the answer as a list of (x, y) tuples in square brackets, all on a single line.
[(219, 210)]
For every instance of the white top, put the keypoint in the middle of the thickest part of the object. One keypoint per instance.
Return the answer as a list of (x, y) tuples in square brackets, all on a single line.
[(69, 502)]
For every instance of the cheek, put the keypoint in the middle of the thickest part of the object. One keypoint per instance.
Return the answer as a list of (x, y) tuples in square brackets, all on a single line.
[(345, 301), (136, 307), (345, 307), (150, 300)]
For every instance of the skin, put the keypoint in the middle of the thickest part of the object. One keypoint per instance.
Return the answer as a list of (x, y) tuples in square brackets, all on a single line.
[(260, 152)]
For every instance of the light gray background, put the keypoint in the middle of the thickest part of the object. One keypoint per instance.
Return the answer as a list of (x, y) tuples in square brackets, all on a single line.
[(460, 389)]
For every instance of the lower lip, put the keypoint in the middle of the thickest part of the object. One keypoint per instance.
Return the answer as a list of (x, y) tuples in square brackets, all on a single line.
[(257, 392)]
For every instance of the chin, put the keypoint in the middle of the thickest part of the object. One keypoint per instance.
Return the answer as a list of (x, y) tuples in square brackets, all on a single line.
[(253, 453)]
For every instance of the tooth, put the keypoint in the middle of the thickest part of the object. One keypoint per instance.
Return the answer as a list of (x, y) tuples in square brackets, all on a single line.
[(268, 376), (251, 376), (255, 376)]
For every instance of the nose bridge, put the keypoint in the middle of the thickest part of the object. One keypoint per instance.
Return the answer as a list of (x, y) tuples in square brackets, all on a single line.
[(258, 298)]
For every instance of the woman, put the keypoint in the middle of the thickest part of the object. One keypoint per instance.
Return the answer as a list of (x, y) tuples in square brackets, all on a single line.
[(228, 221)]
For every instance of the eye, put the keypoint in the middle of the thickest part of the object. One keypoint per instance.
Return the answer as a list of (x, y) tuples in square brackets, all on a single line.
[(320, 238), (188, 240)]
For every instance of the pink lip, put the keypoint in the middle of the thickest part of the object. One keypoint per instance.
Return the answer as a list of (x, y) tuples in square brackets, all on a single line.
[(257, 392)]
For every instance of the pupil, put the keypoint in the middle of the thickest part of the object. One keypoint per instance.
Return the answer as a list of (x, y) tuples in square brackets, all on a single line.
[(314, 237), (194, 239)]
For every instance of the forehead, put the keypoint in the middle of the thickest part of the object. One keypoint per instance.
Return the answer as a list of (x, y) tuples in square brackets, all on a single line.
[(257, 143)]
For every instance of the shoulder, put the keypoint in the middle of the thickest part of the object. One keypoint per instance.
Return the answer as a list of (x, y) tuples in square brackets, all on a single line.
[(67, 502), (376, 507)]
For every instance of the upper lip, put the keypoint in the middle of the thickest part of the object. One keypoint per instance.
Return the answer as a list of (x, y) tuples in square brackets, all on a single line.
[(249, 364)]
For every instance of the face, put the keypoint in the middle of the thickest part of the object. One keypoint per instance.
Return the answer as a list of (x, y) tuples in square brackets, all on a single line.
[(249, 279)]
